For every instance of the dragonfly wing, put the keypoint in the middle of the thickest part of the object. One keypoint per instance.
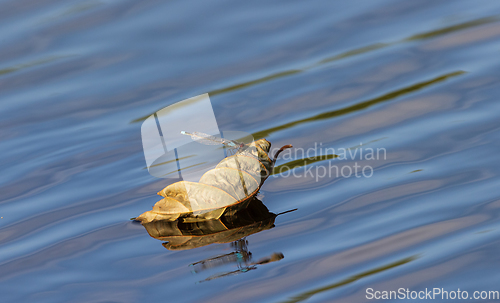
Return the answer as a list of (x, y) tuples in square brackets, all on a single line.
[(211, 140), (205, 139)]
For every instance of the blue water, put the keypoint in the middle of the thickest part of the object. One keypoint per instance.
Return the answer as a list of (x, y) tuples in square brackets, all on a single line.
[(416, 78)]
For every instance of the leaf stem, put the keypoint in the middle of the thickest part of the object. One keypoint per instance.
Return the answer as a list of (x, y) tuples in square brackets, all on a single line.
[(279, 152)]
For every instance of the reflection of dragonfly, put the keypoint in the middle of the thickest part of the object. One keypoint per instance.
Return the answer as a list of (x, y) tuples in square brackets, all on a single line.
[(206, 139), (272, 258), (241, 256), (235, 272)]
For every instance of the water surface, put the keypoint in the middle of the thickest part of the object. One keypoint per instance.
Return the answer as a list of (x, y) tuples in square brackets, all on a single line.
[(416, 78)]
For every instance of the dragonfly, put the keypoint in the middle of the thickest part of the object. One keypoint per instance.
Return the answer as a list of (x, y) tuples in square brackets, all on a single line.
[(206, 139)]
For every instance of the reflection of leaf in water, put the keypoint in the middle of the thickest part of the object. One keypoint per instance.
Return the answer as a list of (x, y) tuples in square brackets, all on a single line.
[(222, 190), (187, 235)]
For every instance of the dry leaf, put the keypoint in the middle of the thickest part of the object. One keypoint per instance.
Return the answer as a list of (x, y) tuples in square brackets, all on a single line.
[(223, 190)]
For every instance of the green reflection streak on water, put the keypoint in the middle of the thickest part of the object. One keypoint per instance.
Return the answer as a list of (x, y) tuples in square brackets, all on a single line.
[(308, 294), (359, 106), (238, 87), (187, 167), (301, 162), (347, 54), (253, 82), (310, 160), (170, 161), (354, 52), (81, 7), (29, 64), (451, 29)]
